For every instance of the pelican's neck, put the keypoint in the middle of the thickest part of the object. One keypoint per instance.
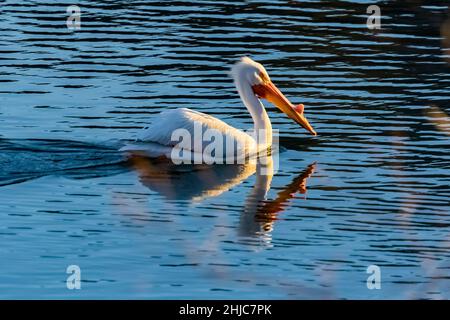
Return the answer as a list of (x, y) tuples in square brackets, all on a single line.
[(262, 125)]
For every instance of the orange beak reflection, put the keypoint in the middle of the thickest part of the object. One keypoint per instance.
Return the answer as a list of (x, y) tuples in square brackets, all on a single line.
[(271, 93)]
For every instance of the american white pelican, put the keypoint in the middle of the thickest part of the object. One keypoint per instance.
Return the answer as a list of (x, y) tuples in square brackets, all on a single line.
[(252, 83)]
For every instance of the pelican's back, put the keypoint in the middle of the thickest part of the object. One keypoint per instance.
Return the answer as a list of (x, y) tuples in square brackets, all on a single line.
[(201, 130)]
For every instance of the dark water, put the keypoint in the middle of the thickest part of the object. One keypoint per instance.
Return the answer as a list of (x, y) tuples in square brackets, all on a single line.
[(371, 189)]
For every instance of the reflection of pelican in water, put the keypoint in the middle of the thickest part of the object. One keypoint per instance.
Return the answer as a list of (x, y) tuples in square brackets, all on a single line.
[(198, 182), (189, 182), (260, 214)]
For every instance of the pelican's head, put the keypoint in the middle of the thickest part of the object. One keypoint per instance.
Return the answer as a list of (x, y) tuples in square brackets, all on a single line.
[(255, 74)]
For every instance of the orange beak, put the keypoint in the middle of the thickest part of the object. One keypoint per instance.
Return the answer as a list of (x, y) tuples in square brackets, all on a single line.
[(271, 93)]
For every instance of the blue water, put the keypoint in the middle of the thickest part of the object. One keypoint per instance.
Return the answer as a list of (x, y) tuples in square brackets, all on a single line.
[(371, 189)]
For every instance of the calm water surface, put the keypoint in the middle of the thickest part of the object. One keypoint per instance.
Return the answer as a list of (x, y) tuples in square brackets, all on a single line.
[(371, 188)]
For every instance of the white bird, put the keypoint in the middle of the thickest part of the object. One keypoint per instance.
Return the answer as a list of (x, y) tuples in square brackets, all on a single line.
[(252, 83)]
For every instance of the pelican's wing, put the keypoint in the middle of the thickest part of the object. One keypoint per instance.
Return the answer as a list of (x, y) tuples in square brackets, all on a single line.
[(165, 124)]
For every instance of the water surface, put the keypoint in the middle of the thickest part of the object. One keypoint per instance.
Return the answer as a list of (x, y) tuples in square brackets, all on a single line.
[(371, 189)]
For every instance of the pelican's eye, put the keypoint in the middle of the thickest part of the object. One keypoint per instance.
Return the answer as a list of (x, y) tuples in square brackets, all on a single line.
[(258, 79), (264, 77)]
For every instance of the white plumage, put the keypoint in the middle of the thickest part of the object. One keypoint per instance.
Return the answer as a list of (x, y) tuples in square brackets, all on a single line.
[(162, 137), (161, 131)]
